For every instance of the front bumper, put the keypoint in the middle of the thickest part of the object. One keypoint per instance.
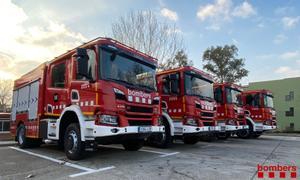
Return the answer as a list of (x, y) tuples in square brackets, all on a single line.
[(242, 127), (202, 129), (268, 127), (103, 131)]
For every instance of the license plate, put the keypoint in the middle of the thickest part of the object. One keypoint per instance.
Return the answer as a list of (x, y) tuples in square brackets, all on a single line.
[(223, 128), (145, 129)]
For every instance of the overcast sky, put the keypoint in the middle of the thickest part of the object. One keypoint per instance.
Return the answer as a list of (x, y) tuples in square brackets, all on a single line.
[(267, 33)]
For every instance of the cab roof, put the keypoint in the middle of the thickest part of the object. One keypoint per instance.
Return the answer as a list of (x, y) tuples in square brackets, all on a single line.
[(185, 68), (228, 84), (110, 41), (266, 91)]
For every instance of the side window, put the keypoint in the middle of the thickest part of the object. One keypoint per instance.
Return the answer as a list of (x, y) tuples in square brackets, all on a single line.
[(58, 75), (91, 65), (218, 95), (249, 100), (166, 85), (228, 95), (174, 83), (256, 100)]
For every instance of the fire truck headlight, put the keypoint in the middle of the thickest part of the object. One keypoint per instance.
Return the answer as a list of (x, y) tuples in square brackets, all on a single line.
[(109, 119), (191, 121), (119, 94), (156, 100)]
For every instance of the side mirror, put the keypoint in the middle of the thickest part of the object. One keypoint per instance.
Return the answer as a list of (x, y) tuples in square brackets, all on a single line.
[(82, 62)]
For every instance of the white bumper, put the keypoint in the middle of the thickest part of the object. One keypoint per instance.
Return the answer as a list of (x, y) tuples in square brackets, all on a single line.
[(258, 127), (224, 127), (102, 131), (195, 129), (241, 127), (267, 127)]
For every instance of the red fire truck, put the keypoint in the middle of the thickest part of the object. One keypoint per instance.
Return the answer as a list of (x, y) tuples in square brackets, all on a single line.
[(188, 106), (101, 92), (259, 111), (230, 112)]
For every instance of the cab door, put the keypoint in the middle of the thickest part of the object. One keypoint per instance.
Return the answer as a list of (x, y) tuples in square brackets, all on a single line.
[(83, 90), (171, 95), (56, 89)]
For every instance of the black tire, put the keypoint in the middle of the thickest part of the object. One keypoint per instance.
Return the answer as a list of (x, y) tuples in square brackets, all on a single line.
[(162, 140), (256, 135), (133, 145), (74, 147), (223, 135), (22, 140), (247, 133), (190, 140), (244, 134)]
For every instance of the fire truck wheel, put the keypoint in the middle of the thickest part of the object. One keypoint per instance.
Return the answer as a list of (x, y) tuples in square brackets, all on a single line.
[(243, 134), (190, 140), (256, 135), (74, 147), (223, 136), (162, 140), (133, 145), (23, 142)]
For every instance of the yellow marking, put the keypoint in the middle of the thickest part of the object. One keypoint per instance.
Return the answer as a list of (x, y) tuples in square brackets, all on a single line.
[(96, 89), (52, 114), (96, 98), (32, 136), (183, 104), (176, 117), (225, 109), (88, 113)]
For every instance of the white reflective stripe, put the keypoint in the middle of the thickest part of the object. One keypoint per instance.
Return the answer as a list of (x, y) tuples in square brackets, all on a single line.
[(86, 103), (143, 100), (92, 103), (81, 103), (137, 99), (149, 101)]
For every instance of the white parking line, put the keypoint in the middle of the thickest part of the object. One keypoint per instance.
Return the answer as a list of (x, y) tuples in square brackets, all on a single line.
[(92, 171), (162, 154), (76, 166)]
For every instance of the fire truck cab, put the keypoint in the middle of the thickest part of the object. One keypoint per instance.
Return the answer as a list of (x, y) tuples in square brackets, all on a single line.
[(188, 106), (101, 92), (259, 111), (230, 112)]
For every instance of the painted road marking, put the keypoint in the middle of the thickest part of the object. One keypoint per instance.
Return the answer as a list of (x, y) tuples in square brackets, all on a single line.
[(162, 154), (76, 166)]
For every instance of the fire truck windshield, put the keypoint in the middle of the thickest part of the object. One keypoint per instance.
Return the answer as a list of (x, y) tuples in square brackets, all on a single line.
[(128, 70), (268, 101), (197, 86), (233, 96)]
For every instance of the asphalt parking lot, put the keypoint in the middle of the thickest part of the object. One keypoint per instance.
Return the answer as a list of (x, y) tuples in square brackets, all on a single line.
[(230, 159)]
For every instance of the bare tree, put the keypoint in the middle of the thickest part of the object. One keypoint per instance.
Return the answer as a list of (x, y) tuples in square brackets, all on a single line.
[(5, 94), (142, 31)]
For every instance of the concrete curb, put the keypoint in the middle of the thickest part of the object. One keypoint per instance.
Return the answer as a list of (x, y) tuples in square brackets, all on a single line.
[(7, 143)]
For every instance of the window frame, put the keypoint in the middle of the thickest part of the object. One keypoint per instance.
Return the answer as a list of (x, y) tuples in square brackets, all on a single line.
[(65, 73)]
